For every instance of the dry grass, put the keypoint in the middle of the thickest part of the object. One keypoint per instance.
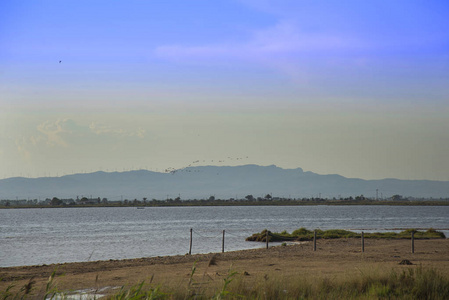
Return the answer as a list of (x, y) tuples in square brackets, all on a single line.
[(409, 283)]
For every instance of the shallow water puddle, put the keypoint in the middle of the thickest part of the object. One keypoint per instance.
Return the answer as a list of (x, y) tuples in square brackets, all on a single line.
[(85, 294)]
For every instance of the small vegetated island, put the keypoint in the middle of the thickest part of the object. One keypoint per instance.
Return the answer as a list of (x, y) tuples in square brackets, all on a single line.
[(302, 234)]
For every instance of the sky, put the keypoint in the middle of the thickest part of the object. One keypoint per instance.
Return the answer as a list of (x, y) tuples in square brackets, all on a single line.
[(356, 88)]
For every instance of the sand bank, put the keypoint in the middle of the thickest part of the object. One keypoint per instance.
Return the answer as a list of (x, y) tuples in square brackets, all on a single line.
[(333, 258)]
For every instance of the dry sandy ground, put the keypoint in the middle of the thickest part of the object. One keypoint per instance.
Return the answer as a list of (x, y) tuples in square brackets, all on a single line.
[(333, 258)]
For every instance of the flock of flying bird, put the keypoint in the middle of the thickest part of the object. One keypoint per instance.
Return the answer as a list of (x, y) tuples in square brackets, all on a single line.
[(173, 170), (185, 169)]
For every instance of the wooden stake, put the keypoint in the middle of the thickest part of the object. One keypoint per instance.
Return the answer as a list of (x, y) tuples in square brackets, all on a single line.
[(314, 240), (222, 244), (413, 242), (190, 248)]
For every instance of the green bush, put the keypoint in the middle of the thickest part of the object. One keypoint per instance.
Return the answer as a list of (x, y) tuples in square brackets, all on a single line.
[(301, 231)]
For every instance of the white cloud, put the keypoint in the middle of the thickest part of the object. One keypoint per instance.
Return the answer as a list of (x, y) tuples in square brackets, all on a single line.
[(51, 136), (63, 132), (52, 132), (48, 134)]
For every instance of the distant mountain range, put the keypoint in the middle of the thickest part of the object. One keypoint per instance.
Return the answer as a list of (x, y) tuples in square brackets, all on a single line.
[(221, 182)]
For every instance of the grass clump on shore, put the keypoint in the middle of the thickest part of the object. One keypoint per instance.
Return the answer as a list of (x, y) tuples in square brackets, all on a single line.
[(302, 234)]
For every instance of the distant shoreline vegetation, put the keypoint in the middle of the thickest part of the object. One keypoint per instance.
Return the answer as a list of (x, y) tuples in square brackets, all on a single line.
[(249, 200), (302, 234)]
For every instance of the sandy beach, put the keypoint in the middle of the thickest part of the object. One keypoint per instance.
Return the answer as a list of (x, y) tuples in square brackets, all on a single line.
[(333, 258)]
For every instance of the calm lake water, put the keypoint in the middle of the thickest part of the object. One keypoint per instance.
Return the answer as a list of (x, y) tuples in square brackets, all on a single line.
[(57, 235)]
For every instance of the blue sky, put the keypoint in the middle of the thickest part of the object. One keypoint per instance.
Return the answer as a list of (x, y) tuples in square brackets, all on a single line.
[(358, 88)]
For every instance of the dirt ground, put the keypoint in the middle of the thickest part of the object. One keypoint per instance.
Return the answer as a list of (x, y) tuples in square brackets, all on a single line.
[(332, 258)]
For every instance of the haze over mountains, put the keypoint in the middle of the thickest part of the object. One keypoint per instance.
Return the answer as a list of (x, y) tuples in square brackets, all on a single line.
[(222, 182)]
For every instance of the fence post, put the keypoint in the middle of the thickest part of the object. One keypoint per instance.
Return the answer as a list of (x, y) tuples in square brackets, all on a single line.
[(222, 244), (267, 238), (363, 242), (413, 242), (190, 248), (314, 240)]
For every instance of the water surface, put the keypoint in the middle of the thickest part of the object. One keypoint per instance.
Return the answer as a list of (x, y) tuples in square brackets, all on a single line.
[(57, 235)]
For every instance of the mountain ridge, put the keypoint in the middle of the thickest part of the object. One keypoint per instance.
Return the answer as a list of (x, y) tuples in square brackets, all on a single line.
[(201, 182)]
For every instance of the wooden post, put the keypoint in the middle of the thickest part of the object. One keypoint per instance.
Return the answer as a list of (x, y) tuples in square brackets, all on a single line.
[(190, 248), (222, 244), (314, 240), (267, 239), (363, 242), (413, 242)]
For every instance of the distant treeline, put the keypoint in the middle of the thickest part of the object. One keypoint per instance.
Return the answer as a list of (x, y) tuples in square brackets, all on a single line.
[(212, 201)]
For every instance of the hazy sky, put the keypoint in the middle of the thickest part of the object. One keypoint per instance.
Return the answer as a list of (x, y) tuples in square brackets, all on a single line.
[(358, 88)]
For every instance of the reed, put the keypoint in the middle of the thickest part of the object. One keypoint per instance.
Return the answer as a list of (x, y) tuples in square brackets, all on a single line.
[(410, 283), (403, 283)]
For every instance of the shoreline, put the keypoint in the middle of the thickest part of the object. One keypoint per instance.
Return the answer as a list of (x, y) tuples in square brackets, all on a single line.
[(338, 257), (181, 258), (177, 258)]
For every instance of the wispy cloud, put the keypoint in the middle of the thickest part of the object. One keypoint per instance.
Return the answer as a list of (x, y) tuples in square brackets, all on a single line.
[(66, 133), (52, 132), (284, 47), (283, 39), (62, 131), (329, 30)]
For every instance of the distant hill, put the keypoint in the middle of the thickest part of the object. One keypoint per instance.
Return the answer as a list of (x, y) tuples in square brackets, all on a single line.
[(221, 182)]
